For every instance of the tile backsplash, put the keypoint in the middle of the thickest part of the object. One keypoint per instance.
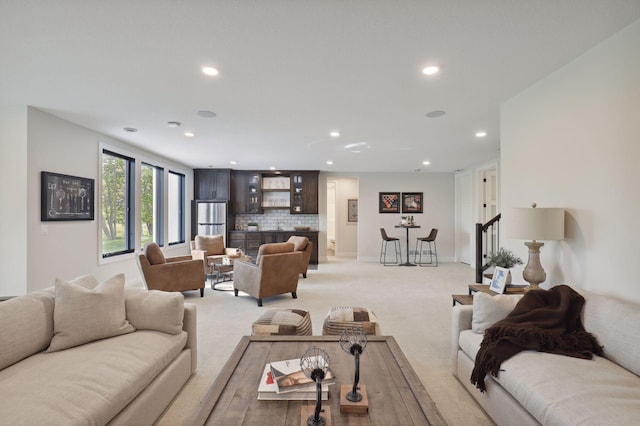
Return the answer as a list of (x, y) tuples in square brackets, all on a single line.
[(277, 219)]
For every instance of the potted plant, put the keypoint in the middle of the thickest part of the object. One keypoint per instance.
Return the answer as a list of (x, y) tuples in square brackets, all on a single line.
[(252, 226), (505, 259)]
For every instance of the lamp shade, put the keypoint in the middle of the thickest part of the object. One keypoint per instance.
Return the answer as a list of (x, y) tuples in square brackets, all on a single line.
[(536, 224)]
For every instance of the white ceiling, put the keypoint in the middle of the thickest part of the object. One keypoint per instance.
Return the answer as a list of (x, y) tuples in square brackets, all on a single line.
[(292, 71)]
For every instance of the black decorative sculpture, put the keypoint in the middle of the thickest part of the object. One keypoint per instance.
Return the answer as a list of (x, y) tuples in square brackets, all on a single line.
[(315, 363), (353, 341)]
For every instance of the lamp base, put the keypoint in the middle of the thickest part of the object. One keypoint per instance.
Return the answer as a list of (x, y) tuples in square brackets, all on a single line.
[(359, 407), (307, 412), (534, 273)]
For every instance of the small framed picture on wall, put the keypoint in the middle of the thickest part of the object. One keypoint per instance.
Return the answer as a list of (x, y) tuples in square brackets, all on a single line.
[(352, 210), (65, 197), (389, 202), (412, 202)]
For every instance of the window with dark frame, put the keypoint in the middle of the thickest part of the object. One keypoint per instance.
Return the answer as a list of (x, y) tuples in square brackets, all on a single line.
[(118, 212), (151, 204), (176, 197)]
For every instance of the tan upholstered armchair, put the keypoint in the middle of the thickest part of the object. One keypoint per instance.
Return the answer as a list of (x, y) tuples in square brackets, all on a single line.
[(302, 244), (210, 249), (276, 271), (169, 274)]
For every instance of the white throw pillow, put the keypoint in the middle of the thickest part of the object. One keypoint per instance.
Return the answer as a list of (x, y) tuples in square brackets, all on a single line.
[(82, 315), (487, 309), (155, 310)]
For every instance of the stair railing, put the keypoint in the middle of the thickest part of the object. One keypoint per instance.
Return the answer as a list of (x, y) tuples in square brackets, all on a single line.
[(487, 241)]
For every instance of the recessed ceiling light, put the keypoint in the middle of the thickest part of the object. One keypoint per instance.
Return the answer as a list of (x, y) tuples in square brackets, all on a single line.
[(481, 134), (130, 129), (206, 114), (426, 163), (210, 70), (272, 168), (189, 134), (330, 163), (430, 70), (174, 124), (355, 145), (334, 134), (435, 114), (233, 162)]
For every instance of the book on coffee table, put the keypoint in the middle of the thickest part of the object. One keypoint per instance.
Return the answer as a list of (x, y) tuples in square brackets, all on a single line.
[(289, 377), (268, 390)]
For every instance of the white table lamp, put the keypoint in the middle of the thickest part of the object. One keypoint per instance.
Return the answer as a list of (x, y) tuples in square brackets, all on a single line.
[(536, 224)]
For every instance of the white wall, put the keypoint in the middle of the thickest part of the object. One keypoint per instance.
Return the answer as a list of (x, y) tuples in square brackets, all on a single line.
[(438, 211), (572, 140), (69, 249), (13, 199)]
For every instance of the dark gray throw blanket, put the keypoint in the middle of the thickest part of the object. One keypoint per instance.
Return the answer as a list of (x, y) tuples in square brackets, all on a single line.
[(543, 320)]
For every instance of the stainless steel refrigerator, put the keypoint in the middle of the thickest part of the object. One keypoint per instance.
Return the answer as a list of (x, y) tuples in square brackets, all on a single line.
[(211, 218)]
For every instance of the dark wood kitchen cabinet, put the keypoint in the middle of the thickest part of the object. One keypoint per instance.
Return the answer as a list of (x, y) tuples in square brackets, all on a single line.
[(212, 184), (246, 195), (304, 192)]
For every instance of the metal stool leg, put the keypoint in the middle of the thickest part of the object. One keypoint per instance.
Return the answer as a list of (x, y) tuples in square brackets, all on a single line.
[(383, 252)]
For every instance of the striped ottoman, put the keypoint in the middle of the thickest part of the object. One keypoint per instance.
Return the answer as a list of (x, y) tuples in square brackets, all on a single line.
[(341, 317), (283, 322)]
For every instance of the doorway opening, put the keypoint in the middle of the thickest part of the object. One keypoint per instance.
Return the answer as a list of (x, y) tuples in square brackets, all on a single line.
[(342, 230)]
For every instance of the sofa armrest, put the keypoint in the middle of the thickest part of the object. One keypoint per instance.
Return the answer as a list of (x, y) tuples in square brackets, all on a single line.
[(461, 316), (178, 259), (189, 325), (246, 277)]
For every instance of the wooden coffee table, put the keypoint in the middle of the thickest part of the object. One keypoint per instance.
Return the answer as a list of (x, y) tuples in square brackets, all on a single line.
[(396, 395)]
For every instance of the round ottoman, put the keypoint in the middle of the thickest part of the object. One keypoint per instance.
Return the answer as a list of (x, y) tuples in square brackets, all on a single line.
[(283, 322), (341, 317)]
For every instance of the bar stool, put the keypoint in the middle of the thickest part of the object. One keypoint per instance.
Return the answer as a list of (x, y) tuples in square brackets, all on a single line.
[(383, 247), (433, 251)]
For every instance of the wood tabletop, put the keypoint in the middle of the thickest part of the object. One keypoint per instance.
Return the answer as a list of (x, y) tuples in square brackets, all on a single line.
[(396, 394)]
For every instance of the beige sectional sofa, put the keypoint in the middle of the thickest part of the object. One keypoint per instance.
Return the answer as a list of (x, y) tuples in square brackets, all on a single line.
[(541, 388), (84, 353)]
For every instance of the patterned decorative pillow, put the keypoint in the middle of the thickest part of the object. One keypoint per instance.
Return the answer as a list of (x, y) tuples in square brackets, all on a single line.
[(82, 315), (341, 317), (283, 322)]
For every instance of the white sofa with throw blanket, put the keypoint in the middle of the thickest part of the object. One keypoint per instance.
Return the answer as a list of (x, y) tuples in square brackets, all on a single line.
[(85, 353), (542, 388)]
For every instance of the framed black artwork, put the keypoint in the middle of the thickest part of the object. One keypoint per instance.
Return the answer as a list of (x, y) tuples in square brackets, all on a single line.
[(65, 197), (412, 202), (389, 202)]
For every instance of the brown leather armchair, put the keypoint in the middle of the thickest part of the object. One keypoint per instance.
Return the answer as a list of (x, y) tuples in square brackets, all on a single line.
[(276, 271), (302, 244), (210, 249), (180, 273)]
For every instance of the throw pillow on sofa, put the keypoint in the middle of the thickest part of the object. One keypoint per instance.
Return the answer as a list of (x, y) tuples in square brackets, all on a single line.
[(488, 309), (82, 315), (155, 310)]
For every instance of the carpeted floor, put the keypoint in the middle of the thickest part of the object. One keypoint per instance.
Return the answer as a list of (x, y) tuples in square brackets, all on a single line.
[(413, 304)]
